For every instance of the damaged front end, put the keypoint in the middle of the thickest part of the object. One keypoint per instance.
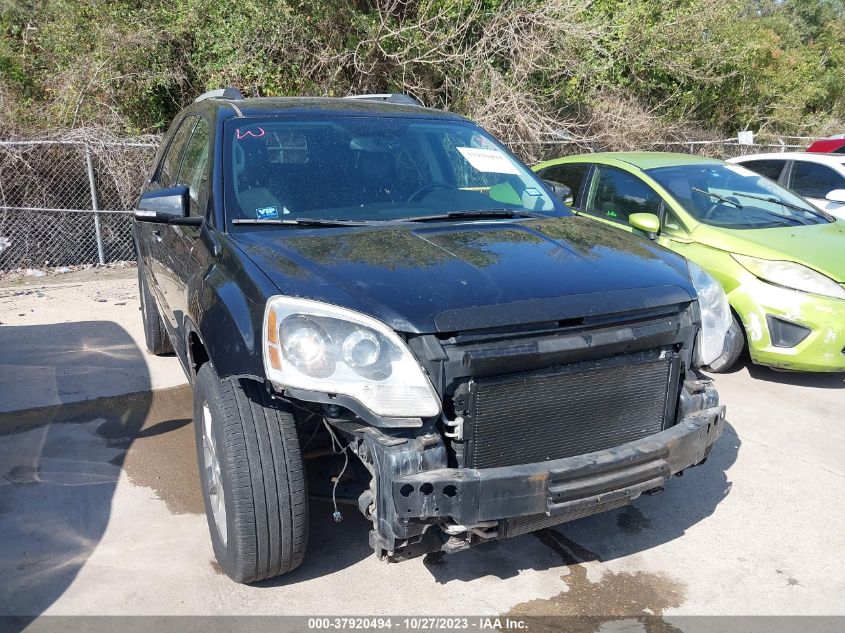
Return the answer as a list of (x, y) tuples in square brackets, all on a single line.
[(540, 425), (465, 506)]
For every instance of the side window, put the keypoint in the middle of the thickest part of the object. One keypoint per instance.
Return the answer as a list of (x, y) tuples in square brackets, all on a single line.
[(671, 224), (194, 170), (769, 168), (617, 194), (572, 175), (170, 163), (813, 180)]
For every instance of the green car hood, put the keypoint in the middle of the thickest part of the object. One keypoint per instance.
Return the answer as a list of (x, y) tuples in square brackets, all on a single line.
[(818, 246)]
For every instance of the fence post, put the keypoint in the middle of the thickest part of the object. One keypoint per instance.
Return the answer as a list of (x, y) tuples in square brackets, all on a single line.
[(94, 207)]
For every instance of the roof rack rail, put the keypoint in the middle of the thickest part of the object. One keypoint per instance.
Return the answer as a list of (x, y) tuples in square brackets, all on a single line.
[(230, 94), (388, 97)]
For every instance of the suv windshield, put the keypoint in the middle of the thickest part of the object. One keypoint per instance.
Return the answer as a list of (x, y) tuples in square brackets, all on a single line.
[(734, 197), (371, 169)]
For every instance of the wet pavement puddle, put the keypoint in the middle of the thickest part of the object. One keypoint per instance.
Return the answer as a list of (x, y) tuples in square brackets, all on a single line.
[(632, 521), (617, 601), (150, 436)]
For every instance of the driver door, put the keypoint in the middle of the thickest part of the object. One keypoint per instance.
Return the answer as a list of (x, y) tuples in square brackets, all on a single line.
[(185, 252), (614, 194), (157, 259)]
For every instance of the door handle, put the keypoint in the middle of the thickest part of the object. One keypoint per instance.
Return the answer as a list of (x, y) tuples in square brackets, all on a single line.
[(157, 235)]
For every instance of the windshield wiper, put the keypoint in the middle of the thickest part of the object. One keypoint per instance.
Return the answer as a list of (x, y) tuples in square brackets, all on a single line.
[(452, 215), (479, 214), (718, 197), (301, 222), (788, 205)]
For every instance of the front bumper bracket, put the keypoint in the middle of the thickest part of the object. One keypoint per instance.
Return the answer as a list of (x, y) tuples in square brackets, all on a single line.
[(562, 486)]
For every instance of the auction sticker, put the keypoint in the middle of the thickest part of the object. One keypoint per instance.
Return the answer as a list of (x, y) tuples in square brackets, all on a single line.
[(488, 160), (266, 213)]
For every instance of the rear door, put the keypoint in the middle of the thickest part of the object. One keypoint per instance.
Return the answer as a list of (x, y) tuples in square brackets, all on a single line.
[(614, 194), (814, 181)]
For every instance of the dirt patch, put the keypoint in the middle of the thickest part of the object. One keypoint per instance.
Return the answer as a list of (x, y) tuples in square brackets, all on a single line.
[(586, 606), (160, 454), (65, 275)]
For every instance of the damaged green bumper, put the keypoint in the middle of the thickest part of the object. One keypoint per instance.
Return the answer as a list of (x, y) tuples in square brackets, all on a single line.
[(788, 329)]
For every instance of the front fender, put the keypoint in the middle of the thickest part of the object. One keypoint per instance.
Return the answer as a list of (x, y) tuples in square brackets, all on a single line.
[(228, 309)]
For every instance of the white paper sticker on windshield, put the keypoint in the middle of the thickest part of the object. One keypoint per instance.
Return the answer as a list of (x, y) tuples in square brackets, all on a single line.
[(742, 171), (488, 160)]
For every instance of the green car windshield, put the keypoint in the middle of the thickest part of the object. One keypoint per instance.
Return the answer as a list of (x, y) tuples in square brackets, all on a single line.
[(372, 169), (733, 197)]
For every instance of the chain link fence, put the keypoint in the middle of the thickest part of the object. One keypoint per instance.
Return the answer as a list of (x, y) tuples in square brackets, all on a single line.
[(724, 148), (731, 147), (68, 201)]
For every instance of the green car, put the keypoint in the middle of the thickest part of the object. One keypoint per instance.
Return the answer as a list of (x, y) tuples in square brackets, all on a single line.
[(780, 260)]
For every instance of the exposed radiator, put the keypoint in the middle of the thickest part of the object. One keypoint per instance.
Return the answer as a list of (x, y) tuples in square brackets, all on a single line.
[(542, 415)]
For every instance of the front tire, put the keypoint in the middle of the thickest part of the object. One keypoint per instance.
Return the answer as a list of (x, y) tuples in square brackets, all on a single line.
[(252, 477), (734, 344)]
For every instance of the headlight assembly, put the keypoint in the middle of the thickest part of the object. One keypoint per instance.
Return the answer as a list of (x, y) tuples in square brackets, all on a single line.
[(715, 315), (320, 347), (791, 275)]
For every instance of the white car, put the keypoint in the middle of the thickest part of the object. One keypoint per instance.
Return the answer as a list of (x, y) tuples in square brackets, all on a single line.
[(820, 178)]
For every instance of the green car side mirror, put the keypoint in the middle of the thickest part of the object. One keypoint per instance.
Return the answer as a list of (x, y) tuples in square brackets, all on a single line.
[(648, 223)]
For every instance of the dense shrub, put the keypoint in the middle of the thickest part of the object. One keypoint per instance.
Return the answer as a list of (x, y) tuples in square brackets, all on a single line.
[(602, 72)]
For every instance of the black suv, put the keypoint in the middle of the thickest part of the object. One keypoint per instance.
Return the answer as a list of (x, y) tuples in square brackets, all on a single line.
[(377, 304)]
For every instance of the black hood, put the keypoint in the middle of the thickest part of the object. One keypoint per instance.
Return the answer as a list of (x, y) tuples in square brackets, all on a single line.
[(458, 276)]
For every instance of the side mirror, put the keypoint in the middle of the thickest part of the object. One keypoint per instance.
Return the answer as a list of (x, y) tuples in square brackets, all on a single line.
[(560, 190), (648, 223), (168, 206), (837, 195)]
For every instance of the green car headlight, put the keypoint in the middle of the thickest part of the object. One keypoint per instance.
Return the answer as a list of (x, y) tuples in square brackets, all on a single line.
[(791, 275)]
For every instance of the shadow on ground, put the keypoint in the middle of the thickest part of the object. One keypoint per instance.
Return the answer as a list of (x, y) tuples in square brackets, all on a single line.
[(59, 463), (813, 380), (58, 364)]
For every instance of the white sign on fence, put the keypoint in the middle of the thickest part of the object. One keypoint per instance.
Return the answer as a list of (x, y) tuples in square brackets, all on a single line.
[(746, 137)]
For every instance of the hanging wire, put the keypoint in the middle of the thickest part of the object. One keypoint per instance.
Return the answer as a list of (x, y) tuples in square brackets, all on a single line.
[(337, 447)]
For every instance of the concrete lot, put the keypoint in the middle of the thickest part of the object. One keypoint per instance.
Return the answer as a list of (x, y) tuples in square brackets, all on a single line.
[(100, 510)]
